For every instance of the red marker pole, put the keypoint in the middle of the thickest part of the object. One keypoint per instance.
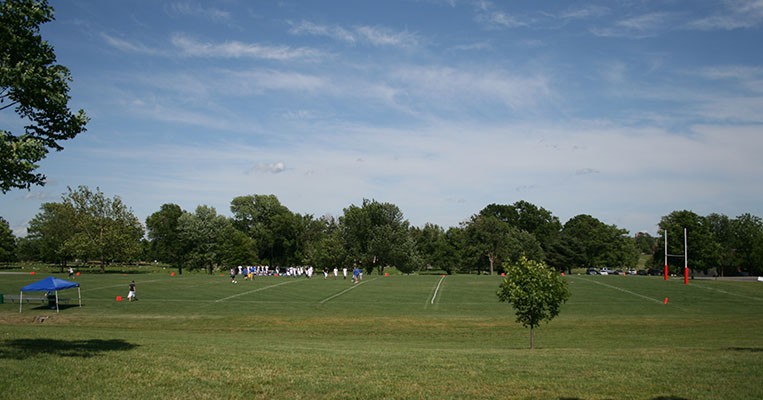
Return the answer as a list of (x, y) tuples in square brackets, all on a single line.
[(666, 255), (686, 261)]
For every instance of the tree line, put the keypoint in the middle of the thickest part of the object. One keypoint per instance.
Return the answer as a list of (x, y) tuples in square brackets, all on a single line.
[(88, 226)]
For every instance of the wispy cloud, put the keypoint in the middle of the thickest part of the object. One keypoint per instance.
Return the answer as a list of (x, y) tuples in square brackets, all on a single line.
[(333, 32), (455, 86), (371, 35), (236, 49), (128, 46), (638, 27), (197, 10), (381, 36), (737, 14), (257, 81), (584, 12)]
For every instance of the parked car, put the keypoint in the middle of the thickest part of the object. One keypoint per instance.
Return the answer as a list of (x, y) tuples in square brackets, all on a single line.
[(603, 271), (592, 271), (631, 271), (641, 272)]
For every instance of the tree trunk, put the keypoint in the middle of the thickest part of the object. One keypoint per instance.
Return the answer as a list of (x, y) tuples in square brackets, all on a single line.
[(492, 261), (532, 338)]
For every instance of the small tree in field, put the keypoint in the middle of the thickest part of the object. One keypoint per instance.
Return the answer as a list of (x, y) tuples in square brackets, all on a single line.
[(536, 292)]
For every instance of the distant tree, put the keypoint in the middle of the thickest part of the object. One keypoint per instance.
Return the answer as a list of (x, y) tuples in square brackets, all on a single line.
[(203, 234), (328, 251), (528, 217), (645, 243), (589, 242), (164, 235), (7, 242), (747, 239), (376, 235), (237, 248), (432, 246), (272, 226), (104, 229), (498, 241), (722, 230), (49, 234), (535, 291), (37, 89)]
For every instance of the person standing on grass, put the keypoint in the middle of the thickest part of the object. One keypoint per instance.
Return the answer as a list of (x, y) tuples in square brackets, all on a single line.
[(131, 293), (344, 272), (71, 272), (233, 275)]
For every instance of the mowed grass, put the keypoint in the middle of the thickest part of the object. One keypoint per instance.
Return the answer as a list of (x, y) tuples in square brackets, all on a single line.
[(399, 337)]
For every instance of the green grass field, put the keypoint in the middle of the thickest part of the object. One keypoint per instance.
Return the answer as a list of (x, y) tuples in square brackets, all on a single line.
[(198, 336)]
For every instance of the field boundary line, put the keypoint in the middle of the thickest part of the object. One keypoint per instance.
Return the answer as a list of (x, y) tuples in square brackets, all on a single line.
[(728, 293), (437, 288), (119, 285), (256, 290), (344, 291), (622, 290)]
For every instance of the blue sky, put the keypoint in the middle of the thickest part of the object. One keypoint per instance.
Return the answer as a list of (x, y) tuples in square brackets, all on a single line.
[(624, 110)]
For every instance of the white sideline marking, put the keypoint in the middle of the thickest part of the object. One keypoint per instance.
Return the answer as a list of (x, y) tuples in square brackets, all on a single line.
[(728, 293), (622, 290), (434, 296), (257, 290), (118, 285), (345, 291)]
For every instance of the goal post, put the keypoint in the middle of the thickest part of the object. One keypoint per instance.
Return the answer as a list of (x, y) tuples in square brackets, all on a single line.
[(685, 256)]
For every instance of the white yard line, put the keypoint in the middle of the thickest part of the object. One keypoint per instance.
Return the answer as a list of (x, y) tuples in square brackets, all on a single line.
[(434, 296), (119, 285), (258, 290), (623, 290), (725, 292), (345, 291)]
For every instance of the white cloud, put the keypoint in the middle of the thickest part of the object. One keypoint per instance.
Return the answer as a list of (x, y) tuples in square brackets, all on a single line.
[(236, 49), (380, 36), (127, 46), (737, 14), (195, 9), (638, 27), (456, 86), (271, 168), (584, 12), (372, 35), (333, 32)]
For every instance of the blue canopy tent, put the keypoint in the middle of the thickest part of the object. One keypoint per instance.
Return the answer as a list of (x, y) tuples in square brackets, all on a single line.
[(49, 284)]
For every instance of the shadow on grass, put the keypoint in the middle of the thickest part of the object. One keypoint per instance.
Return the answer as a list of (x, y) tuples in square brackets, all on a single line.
[(61, 307), (26, 348), (669, 398), (656, 398), (747, 349)]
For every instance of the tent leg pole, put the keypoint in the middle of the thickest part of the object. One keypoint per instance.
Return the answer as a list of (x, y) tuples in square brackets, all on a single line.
[(56, 301)]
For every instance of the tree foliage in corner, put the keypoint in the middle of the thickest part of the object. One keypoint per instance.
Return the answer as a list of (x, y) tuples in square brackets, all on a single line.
[(536, 292), (37, 89)]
